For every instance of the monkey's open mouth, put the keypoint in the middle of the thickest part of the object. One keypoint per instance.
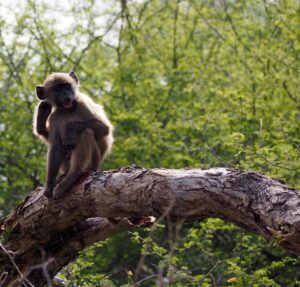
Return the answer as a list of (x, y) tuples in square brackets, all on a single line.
[(68, 104)]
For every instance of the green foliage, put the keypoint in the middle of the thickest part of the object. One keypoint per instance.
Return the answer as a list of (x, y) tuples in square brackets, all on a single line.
[(187, 83)]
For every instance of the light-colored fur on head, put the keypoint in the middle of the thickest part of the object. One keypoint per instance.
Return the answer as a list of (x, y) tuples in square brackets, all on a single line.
[(58, 78)]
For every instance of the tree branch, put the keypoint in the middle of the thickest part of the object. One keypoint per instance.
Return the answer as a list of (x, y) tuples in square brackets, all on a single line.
[(43, 235)]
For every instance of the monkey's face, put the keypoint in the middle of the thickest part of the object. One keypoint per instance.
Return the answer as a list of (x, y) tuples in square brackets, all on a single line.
[(64, 96), (59, 90)]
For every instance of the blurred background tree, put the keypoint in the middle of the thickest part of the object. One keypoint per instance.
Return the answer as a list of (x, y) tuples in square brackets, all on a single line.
[(187, 83)]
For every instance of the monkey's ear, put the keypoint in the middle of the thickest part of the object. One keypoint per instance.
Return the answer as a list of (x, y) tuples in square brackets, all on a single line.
[(74, 77), (40, 92)]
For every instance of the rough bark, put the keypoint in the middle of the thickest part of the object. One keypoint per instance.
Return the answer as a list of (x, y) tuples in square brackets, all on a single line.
[(41, 235)]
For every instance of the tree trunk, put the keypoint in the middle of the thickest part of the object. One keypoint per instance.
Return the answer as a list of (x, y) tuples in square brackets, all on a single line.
[(41, 236)]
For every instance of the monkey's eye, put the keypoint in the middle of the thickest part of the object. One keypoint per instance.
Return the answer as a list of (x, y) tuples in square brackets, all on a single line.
[(61, 87), (66, 86)]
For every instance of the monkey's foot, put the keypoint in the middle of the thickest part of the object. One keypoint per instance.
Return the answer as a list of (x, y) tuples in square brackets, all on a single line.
[(58, 192), (48, 192)]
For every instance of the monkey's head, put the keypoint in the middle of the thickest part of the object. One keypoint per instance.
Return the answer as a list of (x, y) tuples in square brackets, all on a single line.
[(59, 90)]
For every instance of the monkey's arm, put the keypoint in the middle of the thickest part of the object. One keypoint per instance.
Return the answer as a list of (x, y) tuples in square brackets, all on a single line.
[(74, 129), (43, 112)]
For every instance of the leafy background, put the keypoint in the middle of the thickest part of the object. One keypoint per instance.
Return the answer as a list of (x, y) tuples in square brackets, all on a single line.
[(186, 83)]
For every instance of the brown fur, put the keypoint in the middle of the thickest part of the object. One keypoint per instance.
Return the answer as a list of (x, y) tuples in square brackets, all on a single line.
[(78, 139)]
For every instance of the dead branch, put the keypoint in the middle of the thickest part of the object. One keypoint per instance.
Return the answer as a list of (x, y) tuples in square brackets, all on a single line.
[(41, 235)]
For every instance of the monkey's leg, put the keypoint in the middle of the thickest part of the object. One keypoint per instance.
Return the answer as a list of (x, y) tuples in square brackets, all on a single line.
[(80, 161), (65, 165), (55, 156)]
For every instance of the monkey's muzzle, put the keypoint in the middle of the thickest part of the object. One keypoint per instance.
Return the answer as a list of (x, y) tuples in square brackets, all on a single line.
[(68, 103)]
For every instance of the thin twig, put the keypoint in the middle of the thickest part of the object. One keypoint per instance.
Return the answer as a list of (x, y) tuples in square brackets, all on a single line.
[(16, 267)]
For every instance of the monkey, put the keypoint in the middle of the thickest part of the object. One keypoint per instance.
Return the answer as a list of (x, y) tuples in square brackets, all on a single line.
[(76, 130)]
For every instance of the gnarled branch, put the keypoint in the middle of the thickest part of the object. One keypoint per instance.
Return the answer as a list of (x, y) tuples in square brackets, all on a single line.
[(43, 235)]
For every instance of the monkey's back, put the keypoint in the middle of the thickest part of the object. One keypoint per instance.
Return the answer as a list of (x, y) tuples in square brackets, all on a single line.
[(91, 110)]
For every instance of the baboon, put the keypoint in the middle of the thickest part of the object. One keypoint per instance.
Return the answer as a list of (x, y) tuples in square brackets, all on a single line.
[(76, 129)]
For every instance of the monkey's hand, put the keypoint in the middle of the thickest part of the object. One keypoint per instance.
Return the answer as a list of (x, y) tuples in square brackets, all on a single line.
[(69, 143), (45, 107)]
